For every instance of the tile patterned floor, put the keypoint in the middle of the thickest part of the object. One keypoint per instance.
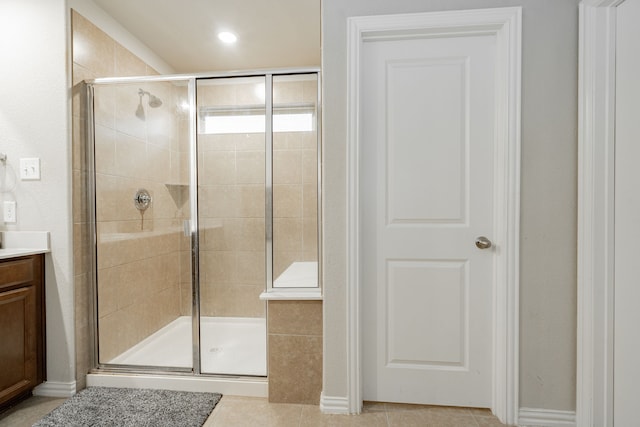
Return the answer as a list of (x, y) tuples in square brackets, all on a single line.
[(234, 411), (29, 411)]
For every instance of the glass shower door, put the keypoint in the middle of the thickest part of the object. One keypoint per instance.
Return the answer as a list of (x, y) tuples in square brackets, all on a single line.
[(143, 259), (231, 204)]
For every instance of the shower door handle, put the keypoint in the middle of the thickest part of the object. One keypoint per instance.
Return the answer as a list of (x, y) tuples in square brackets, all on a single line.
[(186, 226)]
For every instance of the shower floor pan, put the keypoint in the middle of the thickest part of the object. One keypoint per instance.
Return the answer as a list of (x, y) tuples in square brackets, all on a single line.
[(230, 346)]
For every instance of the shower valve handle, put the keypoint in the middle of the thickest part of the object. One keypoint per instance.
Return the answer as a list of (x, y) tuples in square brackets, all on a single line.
[(142, 199)]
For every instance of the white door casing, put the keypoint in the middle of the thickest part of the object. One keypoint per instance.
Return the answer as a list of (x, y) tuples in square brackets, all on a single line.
[(427, 192), (626, 350), (504, 24), (596, 171)]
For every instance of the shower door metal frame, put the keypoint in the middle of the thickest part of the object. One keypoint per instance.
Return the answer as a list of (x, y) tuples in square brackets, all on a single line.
[(191, 80)]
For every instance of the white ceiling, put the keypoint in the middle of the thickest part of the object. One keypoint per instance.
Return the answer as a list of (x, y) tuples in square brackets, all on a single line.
[(271, 34)]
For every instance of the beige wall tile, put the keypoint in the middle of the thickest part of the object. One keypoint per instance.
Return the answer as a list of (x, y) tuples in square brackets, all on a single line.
[(295, 369), (105, 150), (310, 167), (107, 285), (104, 105), (79, 90), (251, 268), (250, 167), (78, 153), (217, 201), (217, 234), (287, 201), (127, 64), (131, 154), (79, 197), (249, 234), (157, 165), (310, 201), (81, 249), (295, 317), (287, 167), (186, 299), (310, 235), (249, 141), (251, 201), (287, 234), (218, 168), (214, 142), (82, 296), (92, 48), (218, 267)]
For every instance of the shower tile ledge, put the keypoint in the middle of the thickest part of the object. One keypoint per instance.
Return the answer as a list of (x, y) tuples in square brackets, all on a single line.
[(297, 294), (22, 243)]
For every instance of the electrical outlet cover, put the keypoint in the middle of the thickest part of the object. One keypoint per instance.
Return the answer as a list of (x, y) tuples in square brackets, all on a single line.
[(9, 211)]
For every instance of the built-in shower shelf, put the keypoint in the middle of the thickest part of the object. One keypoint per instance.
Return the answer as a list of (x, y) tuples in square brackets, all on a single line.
[(179, 193)]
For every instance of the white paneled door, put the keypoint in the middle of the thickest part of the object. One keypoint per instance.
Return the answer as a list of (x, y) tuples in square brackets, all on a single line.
[(427, 191), (626, 365)]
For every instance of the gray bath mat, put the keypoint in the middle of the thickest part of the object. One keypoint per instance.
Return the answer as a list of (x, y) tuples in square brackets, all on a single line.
[(128, 407)]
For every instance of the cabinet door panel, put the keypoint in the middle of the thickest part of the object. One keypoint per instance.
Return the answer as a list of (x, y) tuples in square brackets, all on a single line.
[(18, 352)]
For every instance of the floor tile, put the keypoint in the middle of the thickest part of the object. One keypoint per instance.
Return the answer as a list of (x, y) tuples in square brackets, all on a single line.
[(312, 417), (29, 411), (245, 411)]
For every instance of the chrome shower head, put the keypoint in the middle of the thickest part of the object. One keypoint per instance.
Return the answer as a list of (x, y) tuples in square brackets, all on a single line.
[(154, 101)]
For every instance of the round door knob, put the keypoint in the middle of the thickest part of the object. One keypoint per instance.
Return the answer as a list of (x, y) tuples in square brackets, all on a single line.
[(483, 243)]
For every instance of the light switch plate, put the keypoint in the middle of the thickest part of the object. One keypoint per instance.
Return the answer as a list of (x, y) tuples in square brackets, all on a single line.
[(30, 169)]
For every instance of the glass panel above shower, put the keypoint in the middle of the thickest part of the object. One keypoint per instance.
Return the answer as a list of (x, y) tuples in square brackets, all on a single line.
[(231, 204), (295, 181)]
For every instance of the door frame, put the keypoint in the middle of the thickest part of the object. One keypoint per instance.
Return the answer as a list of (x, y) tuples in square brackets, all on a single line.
[(505, 24), (596, 172)]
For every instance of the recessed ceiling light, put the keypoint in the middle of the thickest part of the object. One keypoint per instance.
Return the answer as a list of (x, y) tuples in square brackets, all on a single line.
[(227, 37)]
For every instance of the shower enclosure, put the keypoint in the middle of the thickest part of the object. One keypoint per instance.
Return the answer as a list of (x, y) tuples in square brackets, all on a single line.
[(205, 193)]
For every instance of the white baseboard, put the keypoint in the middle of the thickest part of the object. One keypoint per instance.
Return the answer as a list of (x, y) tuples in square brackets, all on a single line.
[(530, 417), (55, 389), (333, 405)]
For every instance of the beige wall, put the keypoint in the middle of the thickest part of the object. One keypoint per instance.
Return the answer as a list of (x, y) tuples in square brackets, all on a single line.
[(548, 198)]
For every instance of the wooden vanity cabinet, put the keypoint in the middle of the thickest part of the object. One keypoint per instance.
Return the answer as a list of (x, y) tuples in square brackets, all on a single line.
[(22, 339)]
